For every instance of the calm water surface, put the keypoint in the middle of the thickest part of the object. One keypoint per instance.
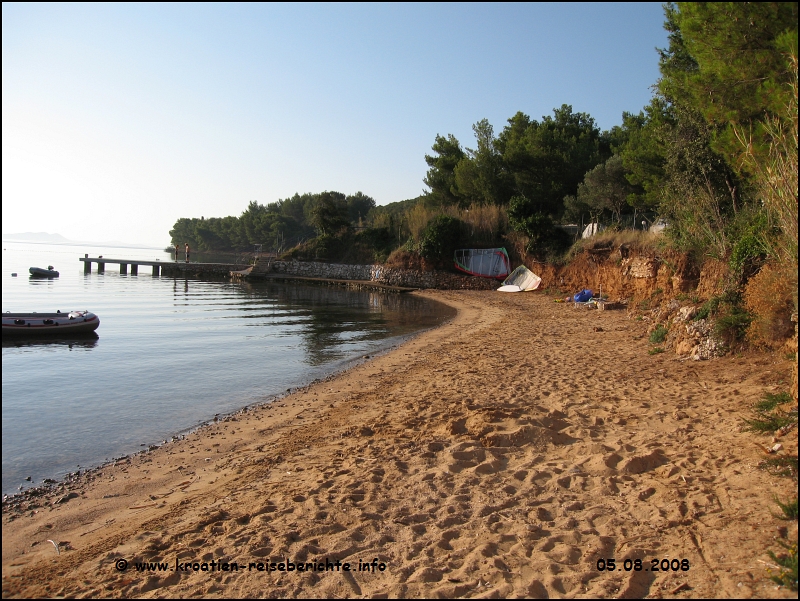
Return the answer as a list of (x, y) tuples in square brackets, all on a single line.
[(170, 354)]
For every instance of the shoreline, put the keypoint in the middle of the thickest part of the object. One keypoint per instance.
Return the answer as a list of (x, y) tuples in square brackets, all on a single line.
[(48, 486), (502, 453)]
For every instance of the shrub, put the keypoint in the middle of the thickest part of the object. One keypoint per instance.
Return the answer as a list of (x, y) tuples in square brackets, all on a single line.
[(658, 335), (484, 225), (781, 466), (748, 251), (789, 509), (775, 177), (544, 238), (402, 258), (375, 242), (768, 417), (365, 247), (717, 304), (712, 306), (787, 562), (771, 401), (732, 325), (440, 238)]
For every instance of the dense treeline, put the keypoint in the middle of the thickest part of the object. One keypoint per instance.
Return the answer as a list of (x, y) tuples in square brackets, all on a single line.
[(705, 154), (277, 225)]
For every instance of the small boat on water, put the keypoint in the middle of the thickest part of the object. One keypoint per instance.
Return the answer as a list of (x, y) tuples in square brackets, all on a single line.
[(49, 324), (38, 272)]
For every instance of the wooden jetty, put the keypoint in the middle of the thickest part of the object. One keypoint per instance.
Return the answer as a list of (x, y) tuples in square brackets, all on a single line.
[(169, 268), (260, 270)]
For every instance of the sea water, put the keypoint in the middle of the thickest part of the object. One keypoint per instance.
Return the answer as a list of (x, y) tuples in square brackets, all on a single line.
[(170, 353)]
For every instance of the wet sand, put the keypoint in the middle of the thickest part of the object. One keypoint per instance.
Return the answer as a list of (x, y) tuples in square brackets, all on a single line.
[(500, 455)]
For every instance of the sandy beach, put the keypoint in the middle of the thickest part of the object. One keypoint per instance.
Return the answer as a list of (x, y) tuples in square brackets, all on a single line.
[(500, 455)]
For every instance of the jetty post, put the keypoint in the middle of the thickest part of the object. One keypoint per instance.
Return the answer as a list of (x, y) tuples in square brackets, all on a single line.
[(159, 268)]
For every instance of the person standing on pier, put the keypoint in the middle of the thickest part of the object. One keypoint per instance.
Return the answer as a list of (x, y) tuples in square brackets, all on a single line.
[(187, 252), (176, 251)]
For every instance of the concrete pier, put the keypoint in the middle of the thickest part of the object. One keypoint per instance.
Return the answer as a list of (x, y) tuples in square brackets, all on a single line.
[(165, 268)]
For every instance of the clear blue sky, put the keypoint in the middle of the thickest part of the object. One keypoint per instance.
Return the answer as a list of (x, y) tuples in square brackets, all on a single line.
[(118, 119)]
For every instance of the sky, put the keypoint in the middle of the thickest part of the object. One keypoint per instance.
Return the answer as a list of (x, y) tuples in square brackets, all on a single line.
[(118, 119)]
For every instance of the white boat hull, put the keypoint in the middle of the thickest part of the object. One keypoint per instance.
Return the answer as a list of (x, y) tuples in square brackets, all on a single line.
[(521, 279)]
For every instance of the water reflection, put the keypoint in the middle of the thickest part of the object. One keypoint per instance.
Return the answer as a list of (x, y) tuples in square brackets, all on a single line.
[(175, 285), (76, 341), (330, 321), (41, 281)]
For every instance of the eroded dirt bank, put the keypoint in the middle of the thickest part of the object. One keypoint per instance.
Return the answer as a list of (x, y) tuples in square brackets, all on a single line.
[(500, 455)]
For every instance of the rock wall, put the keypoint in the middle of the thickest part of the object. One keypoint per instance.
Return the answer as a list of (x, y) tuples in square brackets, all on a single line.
[(440, 280), (331, 271), (649, 283), (390, 276), (624, 273), (195, 270)]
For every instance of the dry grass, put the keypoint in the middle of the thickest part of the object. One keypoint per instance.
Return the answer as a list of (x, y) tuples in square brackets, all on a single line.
[(776, 178), (768, 297), (484, 223), (632, 239), (403, 259), (417, 218), (635, 239)]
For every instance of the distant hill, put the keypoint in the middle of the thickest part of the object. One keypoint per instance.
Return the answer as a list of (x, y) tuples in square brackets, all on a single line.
[(45, 238), (37, 237)]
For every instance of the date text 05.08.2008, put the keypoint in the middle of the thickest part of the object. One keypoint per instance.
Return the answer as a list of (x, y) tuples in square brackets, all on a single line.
[(639, 565)]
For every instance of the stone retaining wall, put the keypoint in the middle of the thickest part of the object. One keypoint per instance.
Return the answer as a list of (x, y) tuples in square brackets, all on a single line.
[(330, 271), (197, 270), (384, 275)]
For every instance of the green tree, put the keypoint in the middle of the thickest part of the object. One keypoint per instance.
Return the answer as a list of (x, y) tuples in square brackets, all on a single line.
[(329, 213), (702, 195), (184, 231), (643, 151), (208, 238), (547, 160), (298, 207), (250, 221), (480, 176), (232, 232), (440, 177), (358, 207), (729, 61), (606, 190)]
